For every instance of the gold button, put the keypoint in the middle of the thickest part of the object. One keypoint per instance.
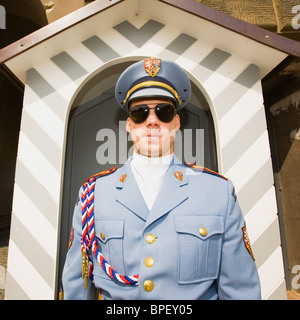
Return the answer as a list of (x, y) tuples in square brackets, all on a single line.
[(150, 238), (102, 236), (149, 262), (203, 231), (148, 285)]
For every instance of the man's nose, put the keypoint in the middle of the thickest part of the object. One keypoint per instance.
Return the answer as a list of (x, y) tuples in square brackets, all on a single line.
[(152, 119)]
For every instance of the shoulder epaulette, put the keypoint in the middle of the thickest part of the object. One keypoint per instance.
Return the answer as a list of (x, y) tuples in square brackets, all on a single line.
[(200, 168), (100, 174)]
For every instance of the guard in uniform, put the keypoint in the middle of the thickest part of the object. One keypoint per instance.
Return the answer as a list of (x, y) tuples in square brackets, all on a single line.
[(158, 228)]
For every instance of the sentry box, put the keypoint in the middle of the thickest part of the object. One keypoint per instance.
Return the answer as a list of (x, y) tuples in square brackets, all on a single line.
[(69, 69)]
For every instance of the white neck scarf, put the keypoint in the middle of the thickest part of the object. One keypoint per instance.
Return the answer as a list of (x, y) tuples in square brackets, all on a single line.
[(149, 174)]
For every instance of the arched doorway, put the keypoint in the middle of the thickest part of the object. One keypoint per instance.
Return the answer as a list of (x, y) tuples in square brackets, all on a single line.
[(97, 139)]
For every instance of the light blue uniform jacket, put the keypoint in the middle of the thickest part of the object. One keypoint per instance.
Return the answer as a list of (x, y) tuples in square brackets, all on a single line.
[(187, 265)]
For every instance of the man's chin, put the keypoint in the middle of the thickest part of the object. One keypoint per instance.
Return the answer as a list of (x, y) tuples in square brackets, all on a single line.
[(149, 152)]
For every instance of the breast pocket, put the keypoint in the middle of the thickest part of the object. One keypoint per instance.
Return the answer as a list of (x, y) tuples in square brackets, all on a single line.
[(199, 247), (109, 234)]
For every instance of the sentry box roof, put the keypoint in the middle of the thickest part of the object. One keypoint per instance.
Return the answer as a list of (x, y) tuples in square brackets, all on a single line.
[(261, 47)]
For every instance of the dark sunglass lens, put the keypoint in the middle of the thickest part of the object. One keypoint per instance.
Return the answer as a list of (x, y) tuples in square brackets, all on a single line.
[(139, 113), (165, 112)]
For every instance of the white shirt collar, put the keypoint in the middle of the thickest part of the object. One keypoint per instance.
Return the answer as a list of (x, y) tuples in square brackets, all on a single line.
[(141, 159)]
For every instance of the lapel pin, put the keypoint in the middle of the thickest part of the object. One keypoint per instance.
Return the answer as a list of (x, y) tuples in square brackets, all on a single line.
[(179, 175), (123, 178)]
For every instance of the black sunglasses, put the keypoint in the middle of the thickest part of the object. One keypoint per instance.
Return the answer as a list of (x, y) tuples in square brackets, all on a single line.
[(165, 112)]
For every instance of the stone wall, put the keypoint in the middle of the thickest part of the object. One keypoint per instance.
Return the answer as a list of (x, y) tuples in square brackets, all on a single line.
[(273, 15)]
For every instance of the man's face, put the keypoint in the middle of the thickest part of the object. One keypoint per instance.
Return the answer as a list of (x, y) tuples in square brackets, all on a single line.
[(153, 138)]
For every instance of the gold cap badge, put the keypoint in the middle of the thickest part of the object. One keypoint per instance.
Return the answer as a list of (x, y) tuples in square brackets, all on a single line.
[(152, 66)]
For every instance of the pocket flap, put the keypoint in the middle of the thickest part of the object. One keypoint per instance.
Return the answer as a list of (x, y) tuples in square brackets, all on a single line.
[(106, 229), (201, 226)]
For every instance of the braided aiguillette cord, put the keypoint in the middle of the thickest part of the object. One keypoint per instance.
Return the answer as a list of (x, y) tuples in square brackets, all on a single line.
[(88, 239)]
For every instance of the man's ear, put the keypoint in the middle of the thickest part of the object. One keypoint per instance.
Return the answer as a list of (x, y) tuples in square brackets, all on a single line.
[(128, 125), (177, 119)]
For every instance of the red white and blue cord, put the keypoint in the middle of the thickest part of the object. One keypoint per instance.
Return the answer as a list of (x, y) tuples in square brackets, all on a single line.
[(88, 240)]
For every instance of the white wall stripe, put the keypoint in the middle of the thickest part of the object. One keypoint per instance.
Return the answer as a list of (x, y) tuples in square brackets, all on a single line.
[(13, 290), (38, 257), (47, 119), (238, 116), (185, 62), (30, 216), (224, 75), (40, 139), (39, 166), (193, 55), (279, 293), (267, 243), (63, 95), (169, 55), (240, 113), (236, 90), (139, 36), (55, 102), (37, 193), (54, 75), (198, 51), (261, 215), (90, 62), (31, 282), (244, 138), (271, 273), (117, 42), (249, 163), (148, 50), (30, 97), (163, 37), (63, 86), (256, 187)]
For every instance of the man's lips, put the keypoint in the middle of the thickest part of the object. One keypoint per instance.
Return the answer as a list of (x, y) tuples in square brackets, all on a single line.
[(152, 135)]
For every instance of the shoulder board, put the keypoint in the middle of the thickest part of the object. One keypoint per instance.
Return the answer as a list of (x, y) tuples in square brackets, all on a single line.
[(100, 174), (194, 166)]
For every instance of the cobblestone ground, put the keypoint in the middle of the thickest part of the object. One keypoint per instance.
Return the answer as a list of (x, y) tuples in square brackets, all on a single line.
[(293, 295), (4, 236)]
